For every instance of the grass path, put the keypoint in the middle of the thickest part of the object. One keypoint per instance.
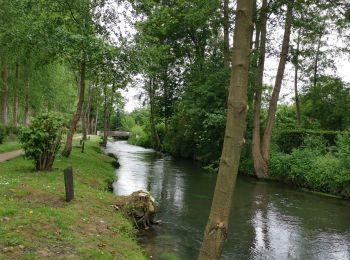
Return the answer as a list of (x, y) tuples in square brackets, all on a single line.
[(36, 222)]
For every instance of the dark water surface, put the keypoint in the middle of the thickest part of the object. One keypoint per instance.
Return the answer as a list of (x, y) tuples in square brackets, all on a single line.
[(269, 220)]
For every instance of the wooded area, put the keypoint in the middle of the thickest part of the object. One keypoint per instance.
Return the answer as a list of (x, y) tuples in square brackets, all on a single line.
[(203, 68)]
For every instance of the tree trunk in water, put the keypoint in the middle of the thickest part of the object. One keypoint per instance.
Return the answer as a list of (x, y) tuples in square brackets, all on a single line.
[(226, 25), (260, 166), (217, 227), (3, 95), (278, 83), (296, 71), (69, 143), (15, 95)]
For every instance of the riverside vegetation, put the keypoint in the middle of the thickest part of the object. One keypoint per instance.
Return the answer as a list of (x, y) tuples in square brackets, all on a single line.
[(36, 223)]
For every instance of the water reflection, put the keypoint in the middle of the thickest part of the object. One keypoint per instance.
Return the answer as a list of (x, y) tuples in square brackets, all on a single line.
[(269, 221)]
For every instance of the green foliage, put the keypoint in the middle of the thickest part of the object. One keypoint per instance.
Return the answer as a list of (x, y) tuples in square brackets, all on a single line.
[(2, 133), (42, 140), (140, 136), (290, 139), (315, 168), (328, 102), (7, 130)]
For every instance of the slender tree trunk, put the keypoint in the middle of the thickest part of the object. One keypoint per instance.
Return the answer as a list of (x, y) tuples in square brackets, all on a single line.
[(15, 96), (105, 123), (85, 119), (318, 51), (278, 83), (3, 94), (155, 136), (69, 143), (226, 25), (217, 227), (96, 121), (26, 104), (260, 166), (296, 77)]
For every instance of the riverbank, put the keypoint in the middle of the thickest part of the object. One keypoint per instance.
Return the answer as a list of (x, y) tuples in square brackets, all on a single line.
[(37, 223)]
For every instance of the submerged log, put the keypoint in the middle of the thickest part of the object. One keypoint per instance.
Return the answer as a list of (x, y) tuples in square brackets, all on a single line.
[(140, 207)]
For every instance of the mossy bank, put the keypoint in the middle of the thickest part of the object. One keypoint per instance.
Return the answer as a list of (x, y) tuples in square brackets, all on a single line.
[(37, 223)]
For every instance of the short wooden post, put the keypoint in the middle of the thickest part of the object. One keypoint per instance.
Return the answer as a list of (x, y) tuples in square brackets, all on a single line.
[(68, 183), (82, 147)]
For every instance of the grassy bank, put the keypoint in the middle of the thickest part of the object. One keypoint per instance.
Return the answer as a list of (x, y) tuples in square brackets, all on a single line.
[(9, 146), (36, 222)]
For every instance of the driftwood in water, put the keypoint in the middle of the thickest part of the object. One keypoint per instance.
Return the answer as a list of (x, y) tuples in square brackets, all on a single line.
[(140, 207)]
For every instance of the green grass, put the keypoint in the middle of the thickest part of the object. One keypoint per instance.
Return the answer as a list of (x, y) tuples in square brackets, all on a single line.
[(9, 146), (36, 222)]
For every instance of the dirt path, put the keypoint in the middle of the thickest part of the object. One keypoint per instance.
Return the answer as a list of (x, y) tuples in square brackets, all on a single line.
[(10, 155)]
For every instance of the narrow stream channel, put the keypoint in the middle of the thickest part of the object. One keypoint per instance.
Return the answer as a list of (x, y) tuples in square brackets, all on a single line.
[(269, 220)]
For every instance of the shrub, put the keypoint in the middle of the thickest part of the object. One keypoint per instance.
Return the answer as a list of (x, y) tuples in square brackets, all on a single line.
[(290, 139), (42, 140), (140, 137)]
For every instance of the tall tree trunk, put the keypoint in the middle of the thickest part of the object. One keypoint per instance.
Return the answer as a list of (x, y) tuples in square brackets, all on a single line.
[(260, 166), (155, 136), (96, 121), (278, 83), (217, 227), (15, 96), (26, 103), (226, 25), (3, 94), (105, 123), (69, 143), (319, 41), (85, 119), (296, 77)]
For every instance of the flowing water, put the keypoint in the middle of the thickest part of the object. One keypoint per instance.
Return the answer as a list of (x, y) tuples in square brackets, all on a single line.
[(269, 220)]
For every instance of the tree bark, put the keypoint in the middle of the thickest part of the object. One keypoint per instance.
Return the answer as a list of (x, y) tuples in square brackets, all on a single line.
[(105, 123), (260, 166), (26, 104), (217, 227), (15, 96), (226, 25), (69, 143), (296, 77), (3, 94), (155, 136), (278, 83), (318, 51)]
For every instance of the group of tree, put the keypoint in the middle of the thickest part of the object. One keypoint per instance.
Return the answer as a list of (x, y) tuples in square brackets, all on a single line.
[(185, 60), (183, 53), (61, 56)]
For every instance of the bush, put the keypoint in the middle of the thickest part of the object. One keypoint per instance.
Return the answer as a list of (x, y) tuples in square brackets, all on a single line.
[(42, 140), (140, 137), (315, 168), (288, 140)]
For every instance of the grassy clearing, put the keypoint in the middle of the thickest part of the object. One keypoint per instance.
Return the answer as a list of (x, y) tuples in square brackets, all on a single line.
[(36, 222), (9, 146)]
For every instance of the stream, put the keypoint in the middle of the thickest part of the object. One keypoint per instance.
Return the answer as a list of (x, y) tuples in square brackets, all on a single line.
[(269, 220)]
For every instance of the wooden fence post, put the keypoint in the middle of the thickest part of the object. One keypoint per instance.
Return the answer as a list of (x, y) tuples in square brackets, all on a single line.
[(68, 183)]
